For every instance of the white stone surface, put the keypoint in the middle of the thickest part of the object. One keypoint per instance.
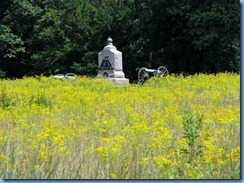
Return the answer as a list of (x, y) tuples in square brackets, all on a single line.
[(110, 64), (120, 81)]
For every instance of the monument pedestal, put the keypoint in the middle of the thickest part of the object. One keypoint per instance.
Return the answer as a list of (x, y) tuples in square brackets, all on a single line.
[(120, 81), (110, 64)]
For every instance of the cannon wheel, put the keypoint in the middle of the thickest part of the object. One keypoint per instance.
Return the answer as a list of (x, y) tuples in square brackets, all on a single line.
[(162, 71), (141, 75)]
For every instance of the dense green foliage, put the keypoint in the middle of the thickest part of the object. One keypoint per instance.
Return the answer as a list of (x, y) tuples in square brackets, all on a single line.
[(60, 36)]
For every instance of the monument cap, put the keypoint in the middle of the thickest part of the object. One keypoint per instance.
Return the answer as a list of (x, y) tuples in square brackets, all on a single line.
[(109, 41)]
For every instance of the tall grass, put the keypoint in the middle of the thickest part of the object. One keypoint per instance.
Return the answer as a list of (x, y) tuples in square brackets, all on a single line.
[(169, 128)]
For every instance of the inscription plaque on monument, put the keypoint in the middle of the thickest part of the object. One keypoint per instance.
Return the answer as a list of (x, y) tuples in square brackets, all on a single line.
[(110, 64)]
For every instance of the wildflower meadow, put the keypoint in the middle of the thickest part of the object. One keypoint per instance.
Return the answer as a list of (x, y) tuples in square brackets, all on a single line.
[(174, 127)]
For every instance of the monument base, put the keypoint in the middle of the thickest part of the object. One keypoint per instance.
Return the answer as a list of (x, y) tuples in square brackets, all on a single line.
[(120, 81)]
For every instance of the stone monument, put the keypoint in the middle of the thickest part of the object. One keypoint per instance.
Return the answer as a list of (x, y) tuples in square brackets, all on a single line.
[(110, 64)]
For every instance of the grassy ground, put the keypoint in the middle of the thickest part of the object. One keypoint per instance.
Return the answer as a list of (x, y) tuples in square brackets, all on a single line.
[(169, 128)]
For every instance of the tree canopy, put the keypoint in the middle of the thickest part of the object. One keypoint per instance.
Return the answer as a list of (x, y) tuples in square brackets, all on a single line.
[(59, 36)]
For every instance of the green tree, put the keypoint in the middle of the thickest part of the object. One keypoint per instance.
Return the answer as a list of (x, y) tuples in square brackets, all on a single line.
[(16, 27), (63, 34), (213, 29), (60, 36)]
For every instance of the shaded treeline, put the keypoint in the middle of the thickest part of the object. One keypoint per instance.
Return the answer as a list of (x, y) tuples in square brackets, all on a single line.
[(59, 36)]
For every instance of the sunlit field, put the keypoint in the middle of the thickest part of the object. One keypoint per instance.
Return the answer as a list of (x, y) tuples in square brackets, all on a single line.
[(169, 128)]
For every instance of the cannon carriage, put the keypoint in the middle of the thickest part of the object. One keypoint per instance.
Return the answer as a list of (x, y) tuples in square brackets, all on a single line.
[(145, 73)]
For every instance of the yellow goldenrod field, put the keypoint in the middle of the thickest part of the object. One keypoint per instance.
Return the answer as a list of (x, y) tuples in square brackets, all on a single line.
[(169, 128)]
